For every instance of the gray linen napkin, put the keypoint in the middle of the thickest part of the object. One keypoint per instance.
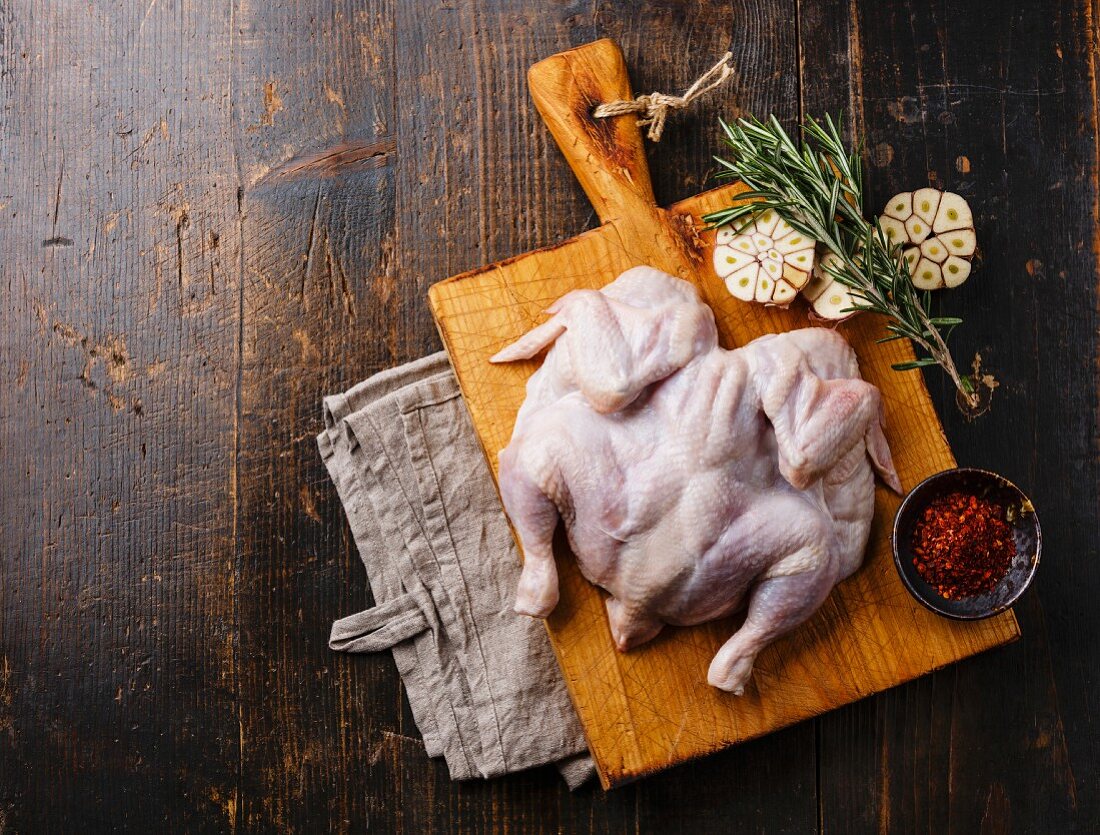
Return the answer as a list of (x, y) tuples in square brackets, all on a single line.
[(483, 683)]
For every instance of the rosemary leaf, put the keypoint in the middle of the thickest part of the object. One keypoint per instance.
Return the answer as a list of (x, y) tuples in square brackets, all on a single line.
[(907, 366)]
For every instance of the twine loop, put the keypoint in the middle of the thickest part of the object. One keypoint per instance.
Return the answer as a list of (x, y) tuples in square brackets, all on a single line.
[(655, 107)]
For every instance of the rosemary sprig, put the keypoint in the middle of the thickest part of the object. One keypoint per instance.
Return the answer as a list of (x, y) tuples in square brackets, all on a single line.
[(817, 187)]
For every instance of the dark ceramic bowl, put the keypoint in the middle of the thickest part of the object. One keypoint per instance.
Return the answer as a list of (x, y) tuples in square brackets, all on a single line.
[(986, 485)]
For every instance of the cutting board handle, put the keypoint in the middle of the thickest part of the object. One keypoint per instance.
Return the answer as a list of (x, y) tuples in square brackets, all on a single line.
[(607, 155)]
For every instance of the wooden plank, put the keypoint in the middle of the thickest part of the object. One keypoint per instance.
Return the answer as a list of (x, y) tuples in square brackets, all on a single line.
[(953, 96), (314, 134), (651, 708), (853, 759), (118, 362)]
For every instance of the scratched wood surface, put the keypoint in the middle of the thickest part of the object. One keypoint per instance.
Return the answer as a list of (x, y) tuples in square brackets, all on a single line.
[(651, 708), (213, 213)]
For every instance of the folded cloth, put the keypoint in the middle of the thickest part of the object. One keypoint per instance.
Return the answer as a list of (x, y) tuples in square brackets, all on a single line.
[(483, 683)]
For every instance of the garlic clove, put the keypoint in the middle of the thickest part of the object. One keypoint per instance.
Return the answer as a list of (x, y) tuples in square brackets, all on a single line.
[(900, 206), (728, 260), (894, 230), (934, 250), (762, 242), (773, 267), (784, 293), (792, 242), (782, 229), (725, 235), (744, 243), (821, 279), (765, 286), (916, 228), (927, 275), (799, 262), (961, 242), (953, 213), (831, 304), (911, 256), (742, 284), (828, 297), (926, 202), (955, 271), (766, 222)]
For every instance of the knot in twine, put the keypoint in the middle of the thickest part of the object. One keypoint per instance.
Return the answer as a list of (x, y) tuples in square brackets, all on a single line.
[(655, 107)]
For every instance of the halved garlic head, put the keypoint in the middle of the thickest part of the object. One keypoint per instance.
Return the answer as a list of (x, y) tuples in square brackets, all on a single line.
[(828, 297), (936, 229), (766, 261)]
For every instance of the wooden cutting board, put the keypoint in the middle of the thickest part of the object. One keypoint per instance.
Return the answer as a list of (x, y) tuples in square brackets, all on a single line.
[(652, 708)]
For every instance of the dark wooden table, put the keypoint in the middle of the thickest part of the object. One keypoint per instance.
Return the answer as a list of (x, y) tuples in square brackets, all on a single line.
[(215, 213)]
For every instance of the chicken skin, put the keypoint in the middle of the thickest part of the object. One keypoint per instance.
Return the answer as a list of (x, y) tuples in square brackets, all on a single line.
[(691, 481)]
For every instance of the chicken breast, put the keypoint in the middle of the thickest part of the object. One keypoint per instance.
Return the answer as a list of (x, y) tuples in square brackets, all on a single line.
[(691, 480)]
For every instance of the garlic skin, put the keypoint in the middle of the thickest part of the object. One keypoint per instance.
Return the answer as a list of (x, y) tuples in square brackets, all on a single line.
[(936, 230), (767, 261)]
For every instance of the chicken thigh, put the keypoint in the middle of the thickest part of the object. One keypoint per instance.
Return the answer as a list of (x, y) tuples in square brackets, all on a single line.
[(691, 480)]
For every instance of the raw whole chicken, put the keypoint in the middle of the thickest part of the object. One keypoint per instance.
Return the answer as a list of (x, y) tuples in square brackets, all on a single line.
[(691, 480)]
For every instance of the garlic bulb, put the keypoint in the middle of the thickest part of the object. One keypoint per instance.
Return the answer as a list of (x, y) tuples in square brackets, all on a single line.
[(937, 230), (766, 261)]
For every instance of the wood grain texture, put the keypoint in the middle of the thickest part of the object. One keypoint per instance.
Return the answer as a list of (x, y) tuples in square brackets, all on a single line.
[(165, 584), (651, 708)]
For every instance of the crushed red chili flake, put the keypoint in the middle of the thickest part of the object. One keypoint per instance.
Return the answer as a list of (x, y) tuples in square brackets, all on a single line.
[(963, 545)]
